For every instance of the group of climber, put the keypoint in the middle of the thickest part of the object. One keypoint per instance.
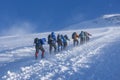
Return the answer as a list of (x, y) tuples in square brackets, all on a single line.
[(83, 36), (59, 42)]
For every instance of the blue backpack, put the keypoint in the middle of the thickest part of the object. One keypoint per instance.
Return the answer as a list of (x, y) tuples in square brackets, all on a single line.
[(42, 41), (53, 36), (63, 39)]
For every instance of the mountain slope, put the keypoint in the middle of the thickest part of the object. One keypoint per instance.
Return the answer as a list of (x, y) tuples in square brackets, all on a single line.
[(76, 63), (109, 20)]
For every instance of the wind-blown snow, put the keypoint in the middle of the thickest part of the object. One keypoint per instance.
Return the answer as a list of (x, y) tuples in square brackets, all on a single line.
[(17, 57), (110, 15)]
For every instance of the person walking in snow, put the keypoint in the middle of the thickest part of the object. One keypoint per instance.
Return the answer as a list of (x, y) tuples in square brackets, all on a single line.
[(82, 37), (39, 46), (52, 42), (65, 39), (87, 36), (59, 42), (75, 37)]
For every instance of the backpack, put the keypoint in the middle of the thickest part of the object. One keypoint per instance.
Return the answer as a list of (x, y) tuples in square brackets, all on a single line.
[(36, 40), (53, 36), (42, 41), (51, 40), (63, 39), (59, 38), (73, 35), (66, 37), (82, 34), (49, 36)]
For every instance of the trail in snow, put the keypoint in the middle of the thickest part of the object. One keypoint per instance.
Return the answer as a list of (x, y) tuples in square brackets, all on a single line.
[(65, 65)]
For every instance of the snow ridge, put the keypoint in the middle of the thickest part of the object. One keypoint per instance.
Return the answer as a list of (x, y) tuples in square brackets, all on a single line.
[(110, 15)]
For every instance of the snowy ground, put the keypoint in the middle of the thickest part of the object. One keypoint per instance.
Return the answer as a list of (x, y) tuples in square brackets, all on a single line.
[(96, 60)]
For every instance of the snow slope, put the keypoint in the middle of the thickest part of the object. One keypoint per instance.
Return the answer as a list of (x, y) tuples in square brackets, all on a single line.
[(108, 20), (96, 60)]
